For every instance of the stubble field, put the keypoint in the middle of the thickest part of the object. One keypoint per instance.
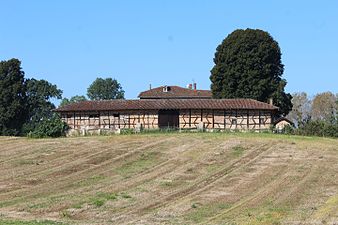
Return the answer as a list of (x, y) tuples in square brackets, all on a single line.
[(174, 178)]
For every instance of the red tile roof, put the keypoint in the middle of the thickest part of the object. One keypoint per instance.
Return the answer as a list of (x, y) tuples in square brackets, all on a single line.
[(175, 92), (157, 104)]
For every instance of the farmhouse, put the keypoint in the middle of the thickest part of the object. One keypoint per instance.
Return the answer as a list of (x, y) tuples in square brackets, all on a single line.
[(169, 107)]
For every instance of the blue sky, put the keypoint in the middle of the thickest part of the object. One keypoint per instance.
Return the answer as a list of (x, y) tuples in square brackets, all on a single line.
[(70, 43)]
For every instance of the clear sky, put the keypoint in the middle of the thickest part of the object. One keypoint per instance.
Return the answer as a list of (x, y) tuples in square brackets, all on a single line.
[(70, 43)]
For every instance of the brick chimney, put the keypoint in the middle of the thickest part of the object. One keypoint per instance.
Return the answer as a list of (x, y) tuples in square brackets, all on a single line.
[(195, 86), (271, 101)]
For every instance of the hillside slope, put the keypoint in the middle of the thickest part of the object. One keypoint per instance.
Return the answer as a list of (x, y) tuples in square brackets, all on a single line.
[(170, 179)]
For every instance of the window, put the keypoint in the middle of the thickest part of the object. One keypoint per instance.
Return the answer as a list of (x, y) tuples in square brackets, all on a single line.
[(94, 115), (166, 88), (234, 122), (116, 115)]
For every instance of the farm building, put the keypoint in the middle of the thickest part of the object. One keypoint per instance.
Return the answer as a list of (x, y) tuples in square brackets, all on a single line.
[(169, 107), (281, 123)]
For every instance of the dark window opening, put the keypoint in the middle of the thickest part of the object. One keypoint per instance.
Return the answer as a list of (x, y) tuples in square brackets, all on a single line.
[(166, 88), (234, 121), (116, 115), (94, 116)]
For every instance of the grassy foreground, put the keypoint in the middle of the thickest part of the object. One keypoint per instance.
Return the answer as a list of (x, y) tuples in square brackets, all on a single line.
[(187, 178)]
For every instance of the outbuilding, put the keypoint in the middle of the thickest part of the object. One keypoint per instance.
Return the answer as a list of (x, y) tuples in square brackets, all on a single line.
[(169, 112), (281, 123)]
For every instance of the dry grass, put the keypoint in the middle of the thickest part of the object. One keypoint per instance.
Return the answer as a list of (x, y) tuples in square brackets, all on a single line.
[(195, 178)]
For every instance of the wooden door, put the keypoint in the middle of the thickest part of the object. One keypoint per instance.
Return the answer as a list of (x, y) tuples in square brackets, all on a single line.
[(168, 118)]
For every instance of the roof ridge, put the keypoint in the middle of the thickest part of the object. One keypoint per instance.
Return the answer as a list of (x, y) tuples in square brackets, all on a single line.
[(175, 92)]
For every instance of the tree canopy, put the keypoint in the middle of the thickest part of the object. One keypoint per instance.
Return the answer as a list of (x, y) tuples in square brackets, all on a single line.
[(301, 109), (324, 107), (248, 65), (105, 89), (12, 97), (38, 102), (74, 99), (24, 103)]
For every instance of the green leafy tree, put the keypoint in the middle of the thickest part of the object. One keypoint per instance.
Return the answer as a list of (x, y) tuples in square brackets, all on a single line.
[(24, 103), (74, 99), (39, 94), (12, 97), (105, 89), (248, 65)]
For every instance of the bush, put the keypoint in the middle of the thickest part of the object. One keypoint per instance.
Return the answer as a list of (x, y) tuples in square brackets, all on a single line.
[(53, 127), (318, 128), (313, 128), (288, 129)]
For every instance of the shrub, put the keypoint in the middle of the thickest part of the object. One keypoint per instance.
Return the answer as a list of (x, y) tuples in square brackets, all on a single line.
[(319, 128), (53, 127), (288, 129)]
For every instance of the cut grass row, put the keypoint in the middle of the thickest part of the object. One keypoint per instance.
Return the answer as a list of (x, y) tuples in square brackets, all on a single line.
[(34, 222)]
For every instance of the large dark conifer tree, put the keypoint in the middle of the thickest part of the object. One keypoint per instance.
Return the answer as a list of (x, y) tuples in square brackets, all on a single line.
[(248, 65)]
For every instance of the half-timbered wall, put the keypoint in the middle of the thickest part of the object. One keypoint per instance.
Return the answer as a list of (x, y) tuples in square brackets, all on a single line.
[(188, 119), (226, 119), (111, 120)]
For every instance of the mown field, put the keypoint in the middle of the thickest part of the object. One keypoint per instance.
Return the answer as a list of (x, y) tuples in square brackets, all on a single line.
[(195, 178)]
